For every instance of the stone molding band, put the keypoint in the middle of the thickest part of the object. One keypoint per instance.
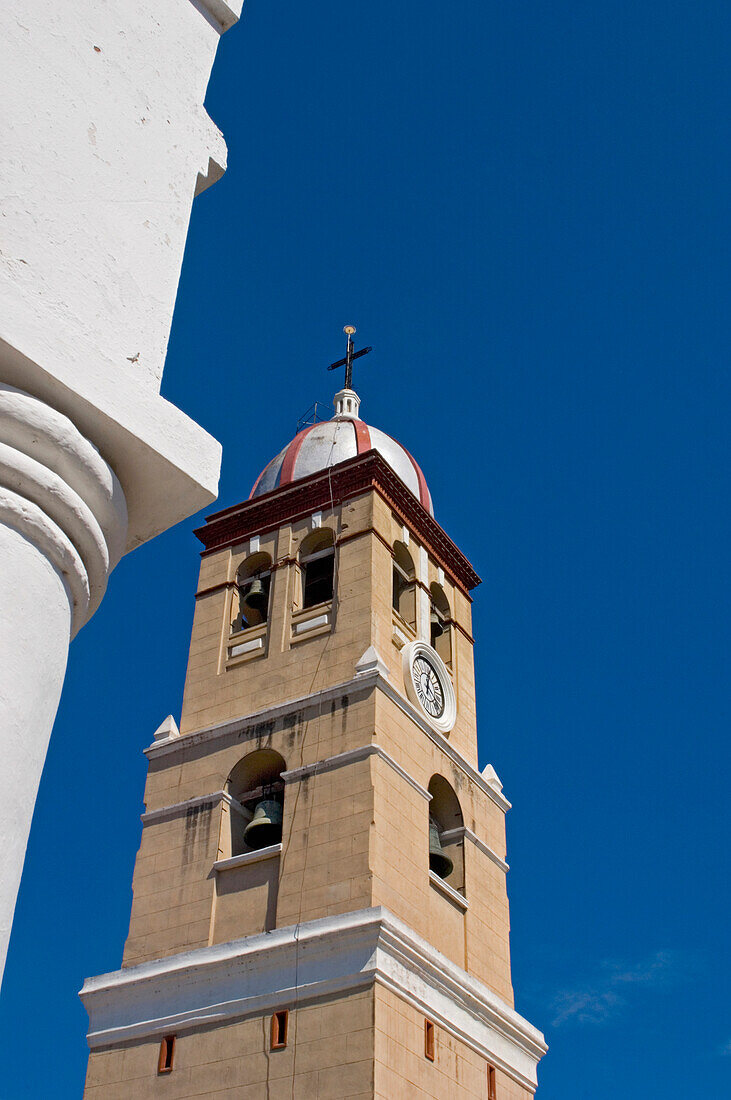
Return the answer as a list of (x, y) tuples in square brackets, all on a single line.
[(457, 899), (371, 677), (353, 756), (341, 760), (302, 964), (254, 720), (174, 809), (58, 492), (463, 833)]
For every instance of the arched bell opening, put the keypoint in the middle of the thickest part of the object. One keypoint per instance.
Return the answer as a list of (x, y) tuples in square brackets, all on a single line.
[(446, 833), (440, 622), (404, 584), (317, 567), (256, 809), (250, 605)]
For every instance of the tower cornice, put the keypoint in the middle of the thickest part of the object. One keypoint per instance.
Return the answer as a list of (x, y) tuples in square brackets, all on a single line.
[(333, 486), (302, 964)]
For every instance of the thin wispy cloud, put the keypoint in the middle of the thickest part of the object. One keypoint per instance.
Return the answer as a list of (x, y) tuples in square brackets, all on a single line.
[(585, 1006), (658, 969), (611, 991)]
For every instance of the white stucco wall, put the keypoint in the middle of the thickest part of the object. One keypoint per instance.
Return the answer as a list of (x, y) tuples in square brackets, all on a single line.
[(105, 142), (103, 136)]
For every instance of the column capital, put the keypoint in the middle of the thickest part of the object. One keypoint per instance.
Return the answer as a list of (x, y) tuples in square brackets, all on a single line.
[(59, 493)]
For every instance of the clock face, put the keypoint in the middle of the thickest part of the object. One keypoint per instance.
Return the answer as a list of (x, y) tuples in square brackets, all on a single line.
[(428, 686)]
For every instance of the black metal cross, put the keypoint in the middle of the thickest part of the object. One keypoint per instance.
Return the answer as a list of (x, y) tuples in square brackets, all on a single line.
[(350, 355)]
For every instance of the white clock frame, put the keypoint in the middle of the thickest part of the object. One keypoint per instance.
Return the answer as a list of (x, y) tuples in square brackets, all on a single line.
[(422, 649)]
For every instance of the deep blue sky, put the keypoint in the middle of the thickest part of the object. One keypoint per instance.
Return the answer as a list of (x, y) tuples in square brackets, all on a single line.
[(523, 207)]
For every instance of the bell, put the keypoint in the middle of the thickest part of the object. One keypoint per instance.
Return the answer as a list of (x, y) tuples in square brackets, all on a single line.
[(437, 626), (265, 827), (439, 862), (257, 597)]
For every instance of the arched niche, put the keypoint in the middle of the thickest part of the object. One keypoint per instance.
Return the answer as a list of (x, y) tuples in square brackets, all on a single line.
[(446, 813), (256, 778), (250, 606), (316, 561), (440, 623), (404, 584)]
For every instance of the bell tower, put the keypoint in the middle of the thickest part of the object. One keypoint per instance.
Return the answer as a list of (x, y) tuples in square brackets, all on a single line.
[(319, 898)]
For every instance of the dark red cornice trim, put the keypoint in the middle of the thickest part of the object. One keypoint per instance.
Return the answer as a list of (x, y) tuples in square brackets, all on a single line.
[(307, 495)]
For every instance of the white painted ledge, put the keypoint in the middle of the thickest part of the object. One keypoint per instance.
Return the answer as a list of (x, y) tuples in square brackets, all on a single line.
[(306, 963), (251, 646), (309, 621), (449, 892), (305, 625), (248, 857)]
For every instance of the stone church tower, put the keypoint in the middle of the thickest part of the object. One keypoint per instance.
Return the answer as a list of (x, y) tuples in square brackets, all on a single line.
[(320, 906)]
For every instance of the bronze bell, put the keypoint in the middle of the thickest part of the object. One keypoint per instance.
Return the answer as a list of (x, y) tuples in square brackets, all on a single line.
[(257, 597), (437, 626), (265, 827), (439, 861)]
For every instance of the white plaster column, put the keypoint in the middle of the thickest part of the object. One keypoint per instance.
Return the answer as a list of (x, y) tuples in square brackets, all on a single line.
[(105, 142), (63, 526)]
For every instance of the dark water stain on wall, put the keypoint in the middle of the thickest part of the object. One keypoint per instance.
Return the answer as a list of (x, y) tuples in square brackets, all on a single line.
[(197, 829)]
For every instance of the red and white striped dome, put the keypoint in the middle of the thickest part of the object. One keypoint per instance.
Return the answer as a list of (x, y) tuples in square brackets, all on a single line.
[(329, 442)]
